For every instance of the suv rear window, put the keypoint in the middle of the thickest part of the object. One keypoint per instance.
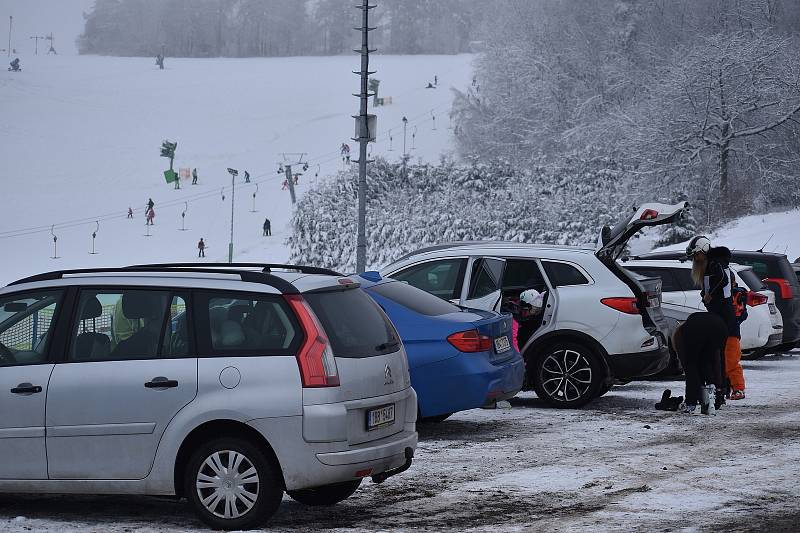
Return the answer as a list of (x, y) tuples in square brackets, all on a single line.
[(668, 283), (562, 274), (414, 299), (752, 280), (354, 323)]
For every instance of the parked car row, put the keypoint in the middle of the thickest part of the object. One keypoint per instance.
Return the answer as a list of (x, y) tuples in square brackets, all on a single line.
[(761, 331), (776, 274), (232, 384)]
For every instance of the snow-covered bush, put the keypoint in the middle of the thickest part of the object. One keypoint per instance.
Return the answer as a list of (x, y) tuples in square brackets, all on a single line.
[(566, 204)]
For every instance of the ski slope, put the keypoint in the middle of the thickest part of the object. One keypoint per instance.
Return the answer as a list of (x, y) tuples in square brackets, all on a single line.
[(80, 141), (774, 232)]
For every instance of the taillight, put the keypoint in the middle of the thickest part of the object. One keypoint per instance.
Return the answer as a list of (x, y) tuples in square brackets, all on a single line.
[(623, 305), (649, 214), (754, 299), (470, 341), (783, 285), (315, 358)]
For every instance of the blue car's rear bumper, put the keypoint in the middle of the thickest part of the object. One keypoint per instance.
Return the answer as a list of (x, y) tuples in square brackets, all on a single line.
[(465, 381)]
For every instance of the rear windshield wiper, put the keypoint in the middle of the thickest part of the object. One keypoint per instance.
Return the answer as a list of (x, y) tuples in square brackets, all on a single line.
[(387, 345)]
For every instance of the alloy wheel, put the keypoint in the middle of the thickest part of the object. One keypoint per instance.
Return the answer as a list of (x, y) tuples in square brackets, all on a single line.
[(566, 375)]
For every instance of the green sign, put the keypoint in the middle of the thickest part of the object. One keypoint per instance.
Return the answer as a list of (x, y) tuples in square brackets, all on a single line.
[(170, 176)]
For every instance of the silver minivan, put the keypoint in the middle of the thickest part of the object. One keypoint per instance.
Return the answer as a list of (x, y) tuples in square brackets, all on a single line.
[(226, 385)]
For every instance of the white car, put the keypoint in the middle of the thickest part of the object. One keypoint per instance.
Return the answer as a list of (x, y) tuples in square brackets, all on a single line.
[(600, 324), (763, 327)]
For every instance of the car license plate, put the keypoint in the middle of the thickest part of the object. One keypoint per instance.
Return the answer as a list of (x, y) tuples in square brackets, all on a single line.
[(501, 344), (380, 416)]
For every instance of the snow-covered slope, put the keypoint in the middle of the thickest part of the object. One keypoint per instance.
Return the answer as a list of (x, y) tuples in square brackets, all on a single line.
[(779, 231), (80, 141)]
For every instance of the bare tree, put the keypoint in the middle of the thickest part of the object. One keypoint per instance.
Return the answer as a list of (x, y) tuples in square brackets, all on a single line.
[(724, 111)]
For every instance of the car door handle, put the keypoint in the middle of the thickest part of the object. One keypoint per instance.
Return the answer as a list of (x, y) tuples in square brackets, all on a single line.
[(26, 388), (161, 383)]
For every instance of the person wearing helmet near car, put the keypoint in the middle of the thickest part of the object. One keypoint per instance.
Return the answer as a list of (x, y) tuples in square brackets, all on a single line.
[(710, 272), (525, 313)]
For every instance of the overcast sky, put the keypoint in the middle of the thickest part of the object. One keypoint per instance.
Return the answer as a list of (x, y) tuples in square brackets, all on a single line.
[(64, 18)]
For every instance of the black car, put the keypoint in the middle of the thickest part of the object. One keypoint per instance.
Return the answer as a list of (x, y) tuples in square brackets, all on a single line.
[(778, 275)]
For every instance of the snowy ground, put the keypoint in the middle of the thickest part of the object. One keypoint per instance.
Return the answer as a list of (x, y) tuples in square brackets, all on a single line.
[(80, 140), (616, 465)]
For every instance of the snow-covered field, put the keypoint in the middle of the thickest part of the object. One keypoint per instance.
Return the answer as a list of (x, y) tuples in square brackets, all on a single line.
[(775, 232), (616, 465), (80, 140)]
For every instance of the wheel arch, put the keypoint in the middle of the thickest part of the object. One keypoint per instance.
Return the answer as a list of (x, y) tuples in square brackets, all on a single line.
[(566, 335), (220, 428)]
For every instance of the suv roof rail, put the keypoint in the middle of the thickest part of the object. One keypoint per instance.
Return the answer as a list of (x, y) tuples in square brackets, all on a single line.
[(265, 267), (254, 277)]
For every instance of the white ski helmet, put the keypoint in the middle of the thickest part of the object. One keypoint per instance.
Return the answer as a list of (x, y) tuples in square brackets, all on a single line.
[(698, 244), (533, 298)]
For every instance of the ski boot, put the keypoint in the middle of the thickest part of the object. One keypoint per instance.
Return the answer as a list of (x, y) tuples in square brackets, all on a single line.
[(719, 401), (686, 408), (708, 400)]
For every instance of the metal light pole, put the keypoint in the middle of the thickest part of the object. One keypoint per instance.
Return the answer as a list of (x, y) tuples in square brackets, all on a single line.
[(10, 24), (364, 135), (233, 172), (36, 40), (405, 153)]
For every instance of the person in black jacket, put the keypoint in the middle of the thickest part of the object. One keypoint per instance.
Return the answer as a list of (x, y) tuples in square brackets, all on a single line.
[(698, 342), (712, 273)]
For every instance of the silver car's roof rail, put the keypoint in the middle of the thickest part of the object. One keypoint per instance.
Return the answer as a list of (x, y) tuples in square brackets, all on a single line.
[(265, 267), (245, 275)]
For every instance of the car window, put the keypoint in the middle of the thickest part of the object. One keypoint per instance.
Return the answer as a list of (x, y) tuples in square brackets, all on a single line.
[(356, 326), (176, 335), (762, 268), (485, 278), (521, 274), (440, 278), (668, 282), (752, 280), (414, 299), (121, 325), (244, 324), (563, 274), (26, 323), (683, 279)]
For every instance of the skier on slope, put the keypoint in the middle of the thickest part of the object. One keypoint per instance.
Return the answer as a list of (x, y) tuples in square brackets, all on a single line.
[(201, 247), (345, 151), (130, 212), (15, 65), (267, 228), (194, 176), (150, 217), (246, 177)]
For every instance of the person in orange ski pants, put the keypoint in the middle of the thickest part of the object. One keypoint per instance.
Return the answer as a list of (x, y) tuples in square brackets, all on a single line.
[(711, 272)]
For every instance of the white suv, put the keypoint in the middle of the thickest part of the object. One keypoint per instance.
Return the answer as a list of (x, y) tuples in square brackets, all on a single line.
[(226, 385), (600, 324)]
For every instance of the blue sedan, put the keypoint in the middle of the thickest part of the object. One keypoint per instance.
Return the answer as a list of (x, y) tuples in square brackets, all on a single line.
[(459, 358)]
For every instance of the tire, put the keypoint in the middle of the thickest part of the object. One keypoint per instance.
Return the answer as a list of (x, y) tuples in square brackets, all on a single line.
[(754, 355), (435, 419), (325, 495), (584, 375), (212, 461)]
